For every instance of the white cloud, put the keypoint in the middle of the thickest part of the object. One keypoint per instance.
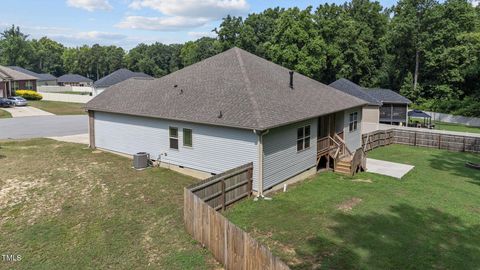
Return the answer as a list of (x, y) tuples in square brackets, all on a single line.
[(181, 14), (100, 35), (475, 2), (214, 9), (197, 35), (90, 5), (161, 23)]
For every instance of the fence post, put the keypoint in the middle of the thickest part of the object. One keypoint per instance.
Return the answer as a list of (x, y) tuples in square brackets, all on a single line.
[(223, 194), (415, 139), (439, 141), (463, 144), (250, 181)]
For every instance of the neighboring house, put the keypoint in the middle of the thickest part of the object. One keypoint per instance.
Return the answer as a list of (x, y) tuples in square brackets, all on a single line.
[(12, 80), (74, 80), (42, 79), (116, 77), (384, 105), (226, 111), (371, 112), (394, 108)]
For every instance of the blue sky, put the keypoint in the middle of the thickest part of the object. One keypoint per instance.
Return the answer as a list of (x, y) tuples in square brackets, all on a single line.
[(126, 23)]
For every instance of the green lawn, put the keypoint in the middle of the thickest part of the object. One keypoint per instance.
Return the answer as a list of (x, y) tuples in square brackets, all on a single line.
[(64, 206), (5, 114), (428, 220), (57, 107), (456, 127)]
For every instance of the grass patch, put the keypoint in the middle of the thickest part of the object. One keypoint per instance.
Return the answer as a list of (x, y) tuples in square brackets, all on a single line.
[(427, 220), (456, 127), (64, 206), (57, 107), (5, 114)]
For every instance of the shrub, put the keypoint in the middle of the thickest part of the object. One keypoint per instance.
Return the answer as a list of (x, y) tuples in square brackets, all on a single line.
[(29, 94)]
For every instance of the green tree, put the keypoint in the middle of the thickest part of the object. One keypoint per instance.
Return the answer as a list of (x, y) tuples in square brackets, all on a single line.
[(47, 56), (15, 50)]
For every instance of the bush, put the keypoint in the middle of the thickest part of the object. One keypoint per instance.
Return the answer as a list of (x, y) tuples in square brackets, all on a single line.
[(29, 94)]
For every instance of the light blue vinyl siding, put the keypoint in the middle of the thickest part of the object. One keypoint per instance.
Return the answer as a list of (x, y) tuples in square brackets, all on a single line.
[(353, 140), (215, 149), (281, 159)]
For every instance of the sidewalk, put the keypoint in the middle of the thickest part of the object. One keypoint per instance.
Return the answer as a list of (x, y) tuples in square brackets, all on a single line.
[(26, 111)]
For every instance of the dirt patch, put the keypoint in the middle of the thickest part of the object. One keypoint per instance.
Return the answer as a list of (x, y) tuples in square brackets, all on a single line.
[(349, 204), (362, 181)]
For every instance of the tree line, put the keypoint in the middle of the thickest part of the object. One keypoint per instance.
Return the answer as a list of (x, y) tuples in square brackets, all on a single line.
[(427, 50)]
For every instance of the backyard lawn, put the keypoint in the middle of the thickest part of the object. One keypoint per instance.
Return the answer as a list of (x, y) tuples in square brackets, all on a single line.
[(57, 107), (456, 127), (428, 220), (5, 114), (64, 206)]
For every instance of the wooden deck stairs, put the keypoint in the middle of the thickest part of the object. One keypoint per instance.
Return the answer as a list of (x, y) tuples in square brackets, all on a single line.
[(344, 162)]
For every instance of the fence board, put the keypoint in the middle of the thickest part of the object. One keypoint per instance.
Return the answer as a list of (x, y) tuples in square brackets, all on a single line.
[(448, 142), (229, 244)]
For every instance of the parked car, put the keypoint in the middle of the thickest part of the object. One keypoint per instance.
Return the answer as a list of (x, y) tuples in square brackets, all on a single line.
[(18, 101), (4, 103)]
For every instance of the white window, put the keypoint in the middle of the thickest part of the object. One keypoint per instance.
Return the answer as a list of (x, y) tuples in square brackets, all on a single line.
[(303, 138), (353, 121), (29, 85), (173, 131)]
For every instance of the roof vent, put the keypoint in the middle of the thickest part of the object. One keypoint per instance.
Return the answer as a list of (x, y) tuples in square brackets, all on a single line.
[(181, 91), (220, 115), (291, 78), (175, 86)]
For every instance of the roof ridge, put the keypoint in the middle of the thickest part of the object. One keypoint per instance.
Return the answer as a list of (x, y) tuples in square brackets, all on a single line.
[(248, 86)]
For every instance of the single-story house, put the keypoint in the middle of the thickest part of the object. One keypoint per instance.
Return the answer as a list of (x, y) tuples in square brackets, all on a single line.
[(371, 112), (42, 78), (394, 109), (384, 105), (116, 77), (12, 80), (74, 80), (228, 110)]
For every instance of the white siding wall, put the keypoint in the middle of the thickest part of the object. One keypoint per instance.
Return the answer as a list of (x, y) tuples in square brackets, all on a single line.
[(353, 140), (281, 159), (215, 149)]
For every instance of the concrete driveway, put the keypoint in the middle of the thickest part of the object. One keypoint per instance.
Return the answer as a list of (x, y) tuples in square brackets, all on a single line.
[(43, 126), (392, 169), (26, 111)]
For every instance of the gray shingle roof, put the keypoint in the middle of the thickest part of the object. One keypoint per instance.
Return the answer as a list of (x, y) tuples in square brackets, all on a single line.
[(46, 77), (246, 90), (73, 78), (40, 77), (387, 96), (355, 90), (119, 76), (16, 75)]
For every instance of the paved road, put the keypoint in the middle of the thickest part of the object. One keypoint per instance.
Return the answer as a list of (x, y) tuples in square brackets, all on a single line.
[(43, 126)]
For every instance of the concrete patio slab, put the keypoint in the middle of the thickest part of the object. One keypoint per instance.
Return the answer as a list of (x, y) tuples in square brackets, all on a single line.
[(26, 111), (392, 169)]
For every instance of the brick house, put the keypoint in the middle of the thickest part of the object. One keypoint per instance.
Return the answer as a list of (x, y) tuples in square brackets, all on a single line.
[(12, 80)]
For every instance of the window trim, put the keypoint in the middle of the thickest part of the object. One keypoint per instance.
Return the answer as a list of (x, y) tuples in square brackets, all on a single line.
[(191, 138), (304, 138), (170, 137), (353, 122)]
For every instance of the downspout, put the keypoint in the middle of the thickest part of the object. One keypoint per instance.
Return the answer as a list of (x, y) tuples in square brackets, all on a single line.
[(260, 160)]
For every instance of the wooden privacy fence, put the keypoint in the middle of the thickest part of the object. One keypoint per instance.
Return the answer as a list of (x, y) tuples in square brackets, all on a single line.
[(421, 138), (226, 188), (230, 245)]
